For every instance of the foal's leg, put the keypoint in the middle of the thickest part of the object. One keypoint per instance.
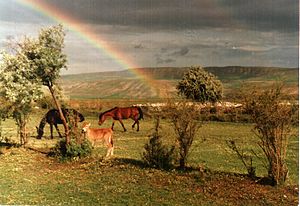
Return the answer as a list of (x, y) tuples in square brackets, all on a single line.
[(110, 146)]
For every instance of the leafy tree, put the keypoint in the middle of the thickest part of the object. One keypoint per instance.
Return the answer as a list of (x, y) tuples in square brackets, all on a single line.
[(46, 56), (201, 86), (19, 88), (35, 62)]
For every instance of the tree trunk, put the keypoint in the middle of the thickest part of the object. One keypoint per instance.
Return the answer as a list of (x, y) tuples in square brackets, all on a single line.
[(66, 127), (22, 130), (182, 163)]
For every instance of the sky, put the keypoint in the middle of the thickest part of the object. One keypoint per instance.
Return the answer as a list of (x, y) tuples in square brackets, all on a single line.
[(162, 33)]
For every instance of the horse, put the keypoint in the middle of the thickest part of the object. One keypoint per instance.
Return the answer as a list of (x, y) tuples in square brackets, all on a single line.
[(99, 134), (119, 113), (52, 117)]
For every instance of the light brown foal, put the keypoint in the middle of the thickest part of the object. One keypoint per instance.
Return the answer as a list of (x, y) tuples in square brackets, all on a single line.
[(100, 134)]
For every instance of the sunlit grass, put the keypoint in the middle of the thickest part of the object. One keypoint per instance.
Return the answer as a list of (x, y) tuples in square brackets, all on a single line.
[(28, 177)]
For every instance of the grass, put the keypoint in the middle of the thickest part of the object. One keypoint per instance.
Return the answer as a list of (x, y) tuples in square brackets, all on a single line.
[(30, 177)]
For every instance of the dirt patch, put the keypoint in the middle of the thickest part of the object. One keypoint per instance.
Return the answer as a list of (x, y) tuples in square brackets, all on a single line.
[(234, 189)]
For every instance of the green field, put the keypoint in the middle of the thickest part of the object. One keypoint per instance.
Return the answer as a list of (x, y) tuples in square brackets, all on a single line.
[(28, 176)]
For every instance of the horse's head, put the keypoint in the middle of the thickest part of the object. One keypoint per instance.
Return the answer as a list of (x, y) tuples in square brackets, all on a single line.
[(101, 119), (40, 133), (81, 117)]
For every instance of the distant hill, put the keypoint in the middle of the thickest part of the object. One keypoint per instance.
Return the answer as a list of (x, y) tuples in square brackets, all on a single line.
[(125, 84)]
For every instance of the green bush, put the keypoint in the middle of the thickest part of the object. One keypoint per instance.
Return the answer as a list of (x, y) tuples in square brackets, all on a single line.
[(72, 151), (156, 154), (200, 85)]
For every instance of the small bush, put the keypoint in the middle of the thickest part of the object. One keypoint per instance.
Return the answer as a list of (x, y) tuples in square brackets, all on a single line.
[(156, 154), (272, 114), (184, 117), (246, 159), (73, 151)]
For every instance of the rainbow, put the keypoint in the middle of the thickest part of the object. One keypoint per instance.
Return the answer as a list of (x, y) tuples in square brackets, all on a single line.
[(87, 34)]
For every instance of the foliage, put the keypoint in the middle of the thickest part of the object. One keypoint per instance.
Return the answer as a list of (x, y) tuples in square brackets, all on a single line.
[(47, 58), (185, 120), (32, 63), (45, 102), (199, 85), (18, 87), (48, 55), (156, 154), (273, 118), (71, 151)]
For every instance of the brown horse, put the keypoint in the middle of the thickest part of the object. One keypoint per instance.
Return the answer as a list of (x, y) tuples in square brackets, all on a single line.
[(52, 118), (119, 113)]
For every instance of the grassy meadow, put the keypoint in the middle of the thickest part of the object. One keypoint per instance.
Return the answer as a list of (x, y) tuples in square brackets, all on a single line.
[(28, 176), (214, 174)]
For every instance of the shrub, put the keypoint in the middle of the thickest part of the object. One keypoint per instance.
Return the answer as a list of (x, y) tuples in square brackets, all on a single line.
[(273, 118), (246, 159), (185, 120), (156, 154), (72, 151)]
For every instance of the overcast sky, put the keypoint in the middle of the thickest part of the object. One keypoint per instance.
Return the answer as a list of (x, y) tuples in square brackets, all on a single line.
[(155, 33)]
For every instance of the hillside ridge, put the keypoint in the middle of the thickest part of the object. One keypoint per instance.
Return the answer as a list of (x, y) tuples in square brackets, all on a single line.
[(177, 73), (127, 84)]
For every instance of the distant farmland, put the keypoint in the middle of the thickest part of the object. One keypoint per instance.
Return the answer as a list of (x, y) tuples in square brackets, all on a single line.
[(125, 85)]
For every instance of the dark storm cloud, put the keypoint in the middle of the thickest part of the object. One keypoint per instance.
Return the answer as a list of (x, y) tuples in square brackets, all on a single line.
[(264, 15), (281, 15), (160, 60), (181, 52)]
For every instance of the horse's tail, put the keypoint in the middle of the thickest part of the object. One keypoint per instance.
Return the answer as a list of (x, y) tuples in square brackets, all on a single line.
[(40, 129), (141, 113)]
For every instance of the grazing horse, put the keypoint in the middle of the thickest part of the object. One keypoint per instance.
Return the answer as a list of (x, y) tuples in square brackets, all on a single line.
[(52, 117), (119, 113), (99, 135)]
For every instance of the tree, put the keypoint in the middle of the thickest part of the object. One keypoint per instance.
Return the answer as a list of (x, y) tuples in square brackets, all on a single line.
[(201, 86), (47, 57), (19, 88), (273, 119), (36, 62)]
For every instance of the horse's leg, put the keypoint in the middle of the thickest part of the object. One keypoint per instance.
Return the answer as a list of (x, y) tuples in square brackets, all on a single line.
[(112, 126), (136, 121), (51, 130), (122, 125), (56, 127), (138, 125)]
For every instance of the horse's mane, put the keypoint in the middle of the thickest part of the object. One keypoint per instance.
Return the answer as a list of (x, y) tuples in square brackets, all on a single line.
[(108, 111)]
